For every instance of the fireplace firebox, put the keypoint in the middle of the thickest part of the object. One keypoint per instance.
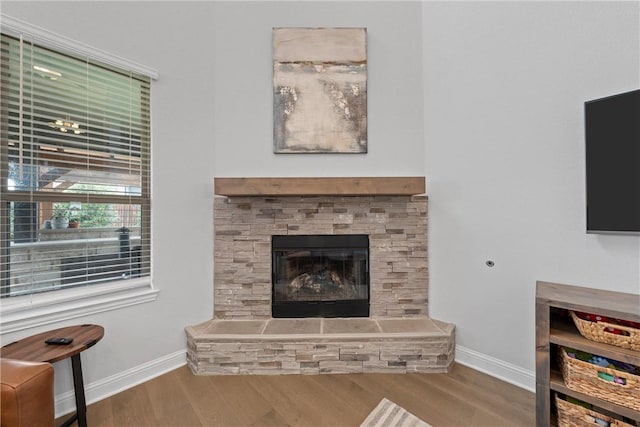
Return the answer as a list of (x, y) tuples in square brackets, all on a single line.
[(320, 276)]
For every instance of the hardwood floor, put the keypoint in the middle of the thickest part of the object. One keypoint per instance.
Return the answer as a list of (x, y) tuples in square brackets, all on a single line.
[(463, 397)]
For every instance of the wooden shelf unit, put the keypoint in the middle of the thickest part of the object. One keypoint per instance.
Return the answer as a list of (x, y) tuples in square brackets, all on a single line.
[(553, 331)]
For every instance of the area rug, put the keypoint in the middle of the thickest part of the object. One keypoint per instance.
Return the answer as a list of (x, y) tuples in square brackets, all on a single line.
[(388, 414)]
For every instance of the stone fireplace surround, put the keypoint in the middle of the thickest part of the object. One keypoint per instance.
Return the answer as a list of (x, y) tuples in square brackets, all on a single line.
[(242, 338)]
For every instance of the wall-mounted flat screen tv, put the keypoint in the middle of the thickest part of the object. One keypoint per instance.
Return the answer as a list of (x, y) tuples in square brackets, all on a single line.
[(612, 132)]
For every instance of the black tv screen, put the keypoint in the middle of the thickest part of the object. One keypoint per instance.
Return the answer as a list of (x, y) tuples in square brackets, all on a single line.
[(612, 132)]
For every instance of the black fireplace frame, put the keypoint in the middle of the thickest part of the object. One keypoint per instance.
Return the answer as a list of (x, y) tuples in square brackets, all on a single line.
[(338, 308)]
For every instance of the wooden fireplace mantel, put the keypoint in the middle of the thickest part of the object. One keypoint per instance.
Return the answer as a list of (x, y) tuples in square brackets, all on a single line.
[(360, 186)]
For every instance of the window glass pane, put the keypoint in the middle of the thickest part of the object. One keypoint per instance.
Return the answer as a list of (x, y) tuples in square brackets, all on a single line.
[(104, 244), (71, 178), (31, 221), (74, 164), (75, 121)]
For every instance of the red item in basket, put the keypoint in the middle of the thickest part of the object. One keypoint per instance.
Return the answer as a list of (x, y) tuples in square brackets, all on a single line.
[(597, 318)]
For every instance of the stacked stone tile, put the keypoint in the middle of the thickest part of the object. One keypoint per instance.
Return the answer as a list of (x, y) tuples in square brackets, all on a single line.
[(238, 340), (397, 229), (402, 351)]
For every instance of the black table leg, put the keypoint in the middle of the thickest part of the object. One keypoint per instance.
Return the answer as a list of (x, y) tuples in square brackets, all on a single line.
[(78, 386)]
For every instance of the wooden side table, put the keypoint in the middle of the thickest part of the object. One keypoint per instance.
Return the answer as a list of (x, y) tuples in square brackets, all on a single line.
[(35, 349)]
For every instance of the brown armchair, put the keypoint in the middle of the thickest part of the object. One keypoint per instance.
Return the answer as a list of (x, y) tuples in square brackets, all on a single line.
[(27, 397)]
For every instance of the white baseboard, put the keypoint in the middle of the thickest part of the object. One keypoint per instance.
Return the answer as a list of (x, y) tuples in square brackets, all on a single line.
[(98, 390), (496, 368)]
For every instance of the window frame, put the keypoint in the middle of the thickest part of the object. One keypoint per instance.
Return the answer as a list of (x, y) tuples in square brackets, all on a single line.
[(22, 312)]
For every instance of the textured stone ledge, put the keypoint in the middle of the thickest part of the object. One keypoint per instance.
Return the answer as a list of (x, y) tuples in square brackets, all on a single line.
[(401, 345)]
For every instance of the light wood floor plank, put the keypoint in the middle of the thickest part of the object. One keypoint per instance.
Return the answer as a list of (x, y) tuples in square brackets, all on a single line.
[(462, 381), (463, 397), (298, 402), (247, 404), (359, 399), (102, 413), (424, 400), (207, 399), (132, 408), (171, 406)]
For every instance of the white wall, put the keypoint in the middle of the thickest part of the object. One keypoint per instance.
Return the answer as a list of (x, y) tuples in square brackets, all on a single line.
[(144, 339), (212, 116), (243, 88), (505, 84)]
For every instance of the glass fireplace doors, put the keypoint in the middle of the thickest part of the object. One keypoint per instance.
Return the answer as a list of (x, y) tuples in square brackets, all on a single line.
[(320, 276)]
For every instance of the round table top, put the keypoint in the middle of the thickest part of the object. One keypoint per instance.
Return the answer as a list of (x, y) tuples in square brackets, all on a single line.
[(34, 349)]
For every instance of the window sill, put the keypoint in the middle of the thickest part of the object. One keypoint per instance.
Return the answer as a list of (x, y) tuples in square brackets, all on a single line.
[(31, 311)]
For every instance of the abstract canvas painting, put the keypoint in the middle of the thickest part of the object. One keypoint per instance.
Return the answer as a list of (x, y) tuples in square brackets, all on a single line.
[(320, 90)]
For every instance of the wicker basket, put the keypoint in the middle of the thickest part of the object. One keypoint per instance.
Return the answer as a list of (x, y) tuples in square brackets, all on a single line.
[(583, 377), (595, 331), (572, 415)]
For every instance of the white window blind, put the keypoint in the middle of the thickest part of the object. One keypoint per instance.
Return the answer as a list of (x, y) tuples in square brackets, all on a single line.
[(75, 168)]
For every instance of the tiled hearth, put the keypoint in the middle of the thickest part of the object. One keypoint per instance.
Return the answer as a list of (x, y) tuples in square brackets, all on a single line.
[(319, 346), (242, 338)]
